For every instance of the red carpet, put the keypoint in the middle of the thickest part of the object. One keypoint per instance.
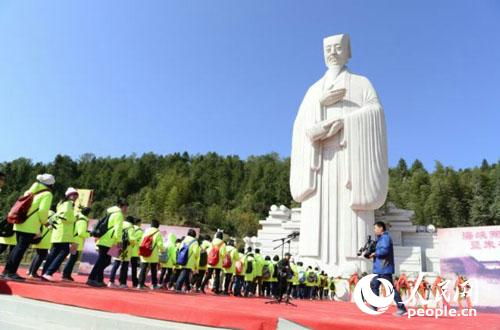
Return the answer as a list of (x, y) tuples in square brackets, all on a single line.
[(231, 312)]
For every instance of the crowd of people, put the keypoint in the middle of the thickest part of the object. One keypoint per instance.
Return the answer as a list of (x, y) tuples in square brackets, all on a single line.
[(192, 263)]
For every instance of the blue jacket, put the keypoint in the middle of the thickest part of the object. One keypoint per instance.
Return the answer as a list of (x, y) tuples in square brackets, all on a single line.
[(384, 255)]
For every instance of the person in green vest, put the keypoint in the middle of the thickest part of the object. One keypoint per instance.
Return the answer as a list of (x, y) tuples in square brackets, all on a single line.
[(205, 245), (192, 261), (167, 267), (249, 269), (219, 246), (152, 260), (267, 276), (177, 267), (232, 252), (62, 235), (42, 248), (259, 264), (123, 259), (80, 234), (38, 215), (112, 237), (135, 260)]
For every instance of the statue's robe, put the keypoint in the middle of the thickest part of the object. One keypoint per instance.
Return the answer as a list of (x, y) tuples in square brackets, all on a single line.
[(342, 179)]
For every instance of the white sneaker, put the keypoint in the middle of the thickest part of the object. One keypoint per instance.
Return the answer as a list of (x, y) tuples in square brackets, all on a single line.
[(48, 277), (112, 285)]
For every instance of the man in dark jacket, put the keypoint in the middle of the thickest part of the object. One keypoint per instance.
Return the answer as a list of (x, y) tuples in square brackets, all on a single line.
[(383, 264)]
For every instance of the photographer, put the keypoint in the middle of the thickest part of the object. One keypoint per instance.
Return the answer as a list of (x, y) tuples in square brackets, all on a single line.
[(284, 273), (383, 264)]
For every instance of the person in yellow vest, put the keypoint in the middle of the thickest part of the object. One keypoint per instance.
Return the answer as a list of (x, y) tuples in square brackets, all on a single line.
[(274, 278), (177, 267), (323, 285), (238, 274), (62, 235), (10, 241), (267, 276), (232, 253), (188, 258), (122, 261), (80, 234), (293, 282), (42, 247), (218, 247), (311, 279), (38, 215), (112, 237), (249, 270), (151, 261), (168, 264), (203, 262), (135, 260), (259, 263)]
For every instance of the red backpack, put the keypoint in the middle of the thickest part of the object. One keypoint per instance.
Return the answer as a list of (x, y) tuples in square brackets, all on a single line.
[(213, 256), (19, 212), (147, 245), (227, 262)]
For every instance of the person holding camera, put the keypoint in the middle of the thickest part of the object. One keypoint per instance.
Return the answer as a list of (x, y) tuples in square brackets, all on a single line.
[(383, 264)]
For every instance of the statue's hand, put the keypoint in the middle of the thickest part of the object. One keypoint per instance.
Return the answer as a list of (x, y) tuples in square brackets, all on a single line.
[(332, 96), (334, 129)]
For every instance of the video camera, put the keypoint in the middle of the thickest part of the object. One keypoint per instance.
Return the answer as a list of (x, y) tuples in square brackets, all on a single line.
[(368, 248)]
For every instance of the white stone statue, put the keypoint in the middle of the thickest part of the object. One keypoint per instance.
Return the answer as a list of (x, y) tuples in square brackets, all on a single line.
[(338, 163)]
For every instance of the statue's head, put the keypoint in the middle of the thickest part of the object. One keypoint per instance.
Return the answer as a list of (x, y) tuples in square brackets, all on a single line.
[(337, 50)]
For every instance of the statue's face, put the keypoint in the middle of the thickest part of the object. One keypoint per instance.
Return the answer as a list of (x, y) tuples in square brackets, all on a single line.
[(336, 50)]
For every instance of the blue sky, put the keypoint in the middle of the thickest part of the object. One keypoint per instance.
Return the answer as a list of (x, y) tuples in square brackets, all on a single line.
[(117, 77)]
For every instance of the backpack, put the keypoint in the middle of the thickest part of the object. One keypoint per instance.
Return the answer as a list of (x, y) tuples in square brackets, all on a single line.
[(19, 212), (227, 262), (249, 269), (164, 257), (238, 267), (312, 277), (6, 228), (101, 227), (183, 255), (302, 277), (203, 258), (213, 256), (266, 272), (324, 282), (148, 245), (332, 286)]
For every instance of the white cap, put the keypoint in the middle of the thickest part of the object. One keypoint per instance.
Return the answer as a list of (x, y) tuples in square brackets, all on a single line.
[(46, 179), (70, 191)]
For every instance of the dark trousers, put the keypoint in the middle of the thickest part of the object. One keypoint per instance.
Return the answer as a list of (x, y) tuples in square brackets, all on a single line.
[(68, 268), (227, 282), (198, 278), (23, 242), (302, 291), (40, 256), (134, 265), (55, 258), (238, 284), (183, 279), (4, 247), (103, 260), (167, 277), (208, 275), (375, 286), (124, 273), (248, 287), (116, 264), (144, 272)]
